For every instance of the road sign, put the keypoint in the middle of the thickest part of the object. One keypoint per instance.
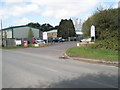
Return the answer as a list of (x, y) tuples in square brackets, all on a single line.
[(92, 31), (18, 42), (45, 36)]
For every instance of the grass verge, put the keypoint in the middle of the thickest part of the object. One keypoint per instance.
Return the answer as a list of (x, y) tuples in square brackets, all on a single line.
[(87, 52)]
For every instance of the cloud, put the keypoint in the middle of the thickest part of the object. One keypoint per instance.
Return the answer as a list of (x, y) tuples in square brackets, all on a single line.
[(54, 9), (12, 1), (11, 9), (66, 8), (49, 8), (22, 21), (115, 5), (24, 9), (109, 0)]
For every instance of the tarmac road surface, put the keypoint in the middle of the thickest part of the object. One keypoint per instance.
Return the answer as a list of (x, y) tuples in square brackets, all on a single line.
[(42, 68)]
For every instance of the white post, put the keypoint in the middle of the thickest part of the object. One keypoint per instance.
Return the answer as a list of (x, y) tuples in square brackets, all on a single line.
[(93, 32), (1, 69), (45, 37)]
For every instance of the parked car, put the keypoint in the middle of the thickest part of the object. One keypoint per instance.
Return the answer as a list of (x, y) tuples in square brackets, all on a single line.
[(39, 40), (86, 40), (58, 39), (55, 39)]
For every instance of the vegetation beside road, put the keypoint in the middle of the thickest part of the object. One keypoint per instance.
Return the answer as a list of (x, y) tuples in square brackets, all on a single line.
[(107, 27), (88, 52)]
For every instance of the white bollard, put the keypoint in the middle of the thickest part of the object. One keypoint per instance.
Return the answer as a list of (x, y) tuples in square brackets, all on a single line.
[(36, 45), (78, 44)]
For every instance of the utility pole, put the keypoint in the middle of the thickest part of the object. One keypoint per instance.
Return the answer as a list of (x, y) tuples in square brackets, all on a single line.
[(119, 4), (1, 33)]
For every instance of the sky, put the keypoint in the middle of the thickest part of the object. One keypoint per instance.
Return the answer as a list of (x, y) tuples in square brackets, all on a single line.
[(22, 12)]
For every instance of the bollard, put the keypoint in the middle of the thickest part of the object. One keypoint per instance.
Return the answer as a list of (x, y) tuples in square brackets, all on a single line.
[(78, 44)]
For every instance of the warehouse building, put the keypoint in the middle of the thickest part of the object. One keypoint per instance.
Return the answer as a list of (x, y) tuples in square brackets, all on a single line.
[(19, 32)]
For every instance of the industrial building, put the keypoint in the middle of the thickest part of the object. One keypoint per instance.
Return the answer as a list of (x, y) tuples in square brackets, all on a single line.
[(52, 34), (19, 32)]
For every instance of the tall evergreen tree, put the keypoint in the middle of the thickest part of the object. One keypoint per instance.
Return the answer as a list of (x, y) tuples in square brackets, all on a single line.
[(71, 28), (66, 29)]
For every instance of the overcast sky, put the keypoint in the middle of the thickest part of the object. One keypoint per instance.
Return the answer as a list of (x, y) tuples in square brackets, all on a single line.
[(21, 12)]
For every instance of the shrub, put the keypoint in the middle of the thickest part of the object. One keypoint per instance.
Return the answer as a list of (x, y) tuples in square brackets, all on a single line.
[(106, 44)]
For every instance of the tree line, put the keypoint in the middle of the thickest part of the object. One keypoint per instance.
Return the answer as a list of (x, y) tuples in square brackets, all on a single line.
[(43, 27), (65, 28)]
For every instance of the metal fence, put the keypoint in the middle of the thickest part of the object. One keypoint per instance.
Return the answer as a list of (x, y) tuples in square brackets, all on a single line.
[(12, 42), (9, 42)]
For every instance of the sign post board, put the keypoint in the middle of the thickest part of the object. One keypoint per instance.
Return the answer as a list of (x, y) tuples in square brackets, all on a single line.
[(45, 37), (18, 42), (93, 32)]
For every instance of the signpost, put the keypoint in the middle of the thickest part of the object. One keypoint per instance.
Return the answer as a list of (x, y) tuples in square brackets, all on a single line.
[(45, 37), (18, 42), (93, 33)]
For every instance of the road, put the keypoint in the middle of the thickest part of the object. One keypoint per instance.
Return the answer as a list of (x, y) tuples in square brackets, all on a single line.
[(42, 68)]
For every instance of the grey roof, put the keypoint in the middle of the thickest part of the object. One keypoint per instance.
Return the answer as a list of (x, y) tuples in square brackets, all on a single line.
[(17, 27), (52, 31)]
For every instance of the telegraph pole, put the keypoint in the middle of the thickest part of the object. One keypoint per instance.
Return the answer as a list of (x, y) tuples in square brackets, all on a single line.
[(1, 33), (119, 4)]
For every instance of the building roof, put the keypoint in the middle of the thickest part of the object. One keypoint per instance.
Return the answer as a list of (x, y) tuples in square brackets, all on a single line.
[(18, 27), (52, 31)]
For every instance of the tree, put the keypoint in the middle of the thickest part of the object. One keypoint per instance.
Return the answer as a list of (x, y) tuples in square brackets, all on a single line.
[(34, 25), (56, 27), (46, 27), (43, 27), (71, 28), (66, 29), (30, 33)]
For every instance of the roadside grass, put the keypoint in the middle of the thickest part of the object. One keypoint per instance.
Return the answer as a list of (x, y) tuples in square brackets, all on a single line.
[(87, 52), (15, 47)]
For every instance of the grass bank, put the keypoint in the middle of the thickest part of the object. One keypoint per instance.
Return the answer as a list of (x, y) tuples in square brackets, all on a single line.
[(87, 52)]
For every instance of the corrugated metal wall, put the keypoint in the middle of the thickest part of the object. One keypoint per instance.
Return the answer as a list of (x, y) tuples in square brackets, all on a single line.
[(22, 32)]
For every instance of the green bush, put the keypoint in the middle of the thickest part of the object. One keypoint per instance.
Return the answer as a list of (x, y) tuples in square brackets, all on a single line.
[(106, 44)]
